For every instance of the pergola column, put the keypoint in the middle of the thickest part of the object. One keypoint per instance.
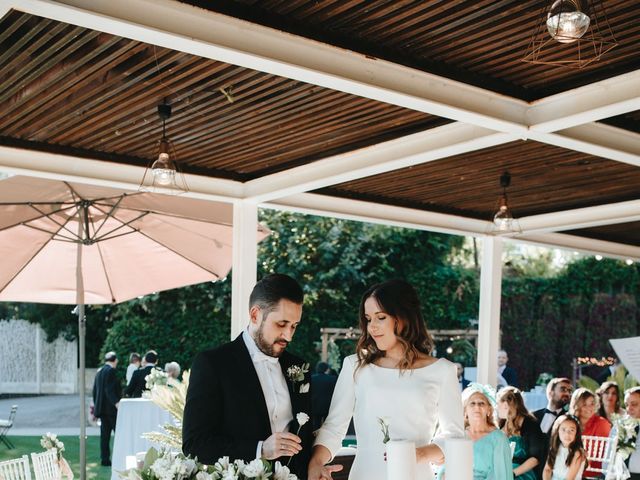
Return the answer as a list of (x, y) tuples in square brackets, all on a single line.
[(489, 317), (245, 261)]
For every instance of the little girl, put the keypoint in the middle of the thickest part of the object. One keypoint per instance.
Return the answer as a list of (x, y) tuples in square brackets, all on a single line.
[(567, 457)]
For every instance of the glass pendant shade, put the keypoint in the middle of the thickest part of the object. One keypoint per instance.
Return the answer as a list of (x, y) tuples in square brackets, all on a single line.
[(567, 21), (503, 220), (163, 169)]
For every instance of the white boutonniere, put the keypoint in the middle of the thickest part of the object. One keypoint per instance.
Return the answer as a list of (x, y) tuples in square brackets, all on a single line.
[(295, 374), (301, 418)]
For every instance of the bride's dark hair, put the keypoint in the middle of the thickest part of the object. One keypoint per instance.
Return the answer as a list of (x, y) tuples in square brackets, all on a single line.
[(398, 299)]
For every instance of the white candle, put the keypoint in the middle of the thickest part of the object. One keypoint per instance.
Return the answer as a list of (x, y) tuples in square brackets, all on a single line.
[(401, 460), (130, 462), (458, 459)]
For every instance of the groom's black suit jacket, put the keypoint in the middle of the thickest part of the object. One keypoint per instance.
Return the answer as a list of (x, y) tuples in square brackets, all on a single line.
[(226, 413)]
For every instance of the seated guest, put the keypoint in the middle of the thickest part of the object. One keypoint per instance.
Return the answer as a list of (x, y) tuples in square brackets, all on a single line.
[(491, 450), (522, 429), (506, 374), (567, 458), (609, 398), (558, 395), (584, 405), (632, 401), (134, 364), (172, 369), (462, 382), (138, 384)]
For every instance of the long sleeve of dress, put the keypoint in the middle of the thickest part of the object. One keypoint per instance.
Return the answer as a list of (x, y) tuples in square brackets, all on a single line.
[(341, 410), (450, 415), (502, 466)]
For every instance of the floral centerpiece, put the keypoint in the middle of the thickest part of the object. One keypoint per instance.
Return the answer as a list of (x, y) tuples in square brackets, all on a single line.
[(167, 464), (50, 441), (625, 428)]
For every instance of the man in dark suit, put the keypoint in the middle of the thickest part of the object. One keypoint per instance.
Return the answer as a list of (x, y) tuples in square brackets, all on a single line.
[(323, 383), (463, 382), (559, 391), (138, 384), (106, 398), (245, 396), (506, 374)]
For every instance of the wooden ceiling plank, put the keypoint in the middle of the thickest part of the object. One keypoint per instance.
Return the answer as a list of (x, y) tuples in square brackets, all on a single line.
[(66, 45), (115, 105), (10, 52), (40, 97)]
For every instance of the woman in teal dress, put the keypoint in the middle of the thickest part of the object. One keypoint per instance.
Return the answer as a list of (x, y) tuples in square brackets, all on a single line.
[(524, 434), (491, 450)]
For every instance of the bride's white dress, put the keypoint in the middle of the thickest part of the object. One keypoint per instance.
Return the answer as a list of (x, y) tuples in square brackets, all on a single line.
[(414, 402)]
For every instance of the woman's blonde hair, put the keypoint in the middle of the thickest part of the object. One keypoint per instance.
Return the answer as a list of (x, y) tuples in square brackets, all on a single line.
[(398, 299), (578, 399)]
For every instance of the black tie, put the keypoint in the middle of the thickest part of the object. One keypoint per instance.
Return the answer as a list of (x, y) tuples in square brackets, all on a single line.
[(546, 410)]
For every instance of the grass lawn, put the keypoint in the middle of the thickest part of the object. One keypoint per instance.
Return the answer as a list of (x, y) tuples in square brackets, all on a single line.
[(27, 445)]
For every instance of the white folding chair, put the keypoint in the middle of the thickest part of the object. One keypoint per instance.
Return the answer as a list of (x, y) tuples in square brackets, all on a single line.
[(17, 469), (600, 454), (45, 465), (5, 426)]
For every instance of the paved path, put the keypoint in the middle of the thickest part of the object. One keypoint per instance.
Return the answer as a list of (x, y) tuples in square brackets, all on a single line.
[(58, 414)]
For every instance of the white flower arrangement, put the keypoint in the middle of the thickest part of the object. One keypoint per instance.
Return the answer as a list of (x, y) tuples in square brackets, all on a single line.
[(156, 377), (50, 441), (627, 438), (167, 465)]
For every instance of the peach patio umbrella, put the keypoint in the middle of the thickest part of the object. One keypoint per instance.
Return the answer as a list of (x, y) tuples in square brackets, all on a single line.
[(77, 244)]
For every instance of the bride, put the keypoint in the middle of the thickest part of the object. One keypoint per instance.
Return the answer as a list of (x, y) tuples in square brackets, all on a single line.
[(391, 376)]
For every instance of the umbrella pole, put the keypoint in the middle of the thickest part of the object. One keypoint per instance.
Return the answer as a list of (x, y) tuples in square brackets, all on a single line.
[(81, 338)]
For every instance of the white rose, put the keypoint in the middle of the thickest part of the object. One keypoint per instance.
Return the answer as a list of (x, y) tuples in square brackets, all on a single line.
[(255, 469), (302, 418), (304, 388)]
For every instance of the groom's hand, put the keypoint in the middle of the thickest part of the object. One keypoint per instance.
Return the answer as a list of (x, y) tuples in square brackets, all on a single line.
[(283, 444)]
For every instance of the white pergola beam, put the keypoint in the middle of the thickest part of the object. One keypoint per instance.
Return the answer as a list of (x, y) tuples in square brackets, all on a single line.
[(418, 148), (588, 217), (582, 244), (328, 206), (21, 161), (604, 99), (211, 35), (245, 263), (597, 139), (489, 311)]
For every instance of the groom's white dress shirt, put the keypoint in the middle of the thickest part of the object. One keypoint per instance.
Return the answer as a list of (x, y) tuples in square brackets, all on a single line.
[(274, 388)]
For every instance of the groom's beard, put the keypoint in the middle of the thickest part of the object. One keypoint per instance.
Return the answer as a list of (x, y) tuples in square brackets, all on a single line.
[(266, 347)]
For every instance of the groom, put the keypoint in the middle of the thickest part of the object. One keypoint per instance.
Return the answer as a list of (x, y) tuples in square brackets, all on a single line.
[(244, 396)]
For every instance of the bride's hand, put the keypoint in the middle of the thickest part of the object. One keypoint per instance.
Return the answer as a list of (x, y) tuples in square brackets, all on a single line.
[(322, 472)]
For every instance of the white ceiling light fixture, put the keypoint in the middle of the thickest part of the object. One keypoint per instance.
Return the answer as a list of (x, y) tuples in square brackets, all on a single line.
[(164, 170), (503, 222)]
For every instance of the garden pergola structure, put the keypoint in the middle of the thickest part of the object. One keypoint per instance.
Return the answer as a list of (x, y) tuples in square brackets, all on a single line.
[(401, 113)]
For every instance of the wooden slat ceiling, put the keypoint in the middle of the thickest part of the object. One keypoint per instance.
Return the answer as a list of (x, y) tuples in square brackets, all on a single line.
[(480, 42), (544, 178), (72, 88)]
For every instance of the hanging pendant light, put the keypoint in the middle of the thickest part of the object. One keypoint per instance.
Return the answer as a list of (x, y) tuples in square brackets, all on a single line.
[(164, 170), (503, 221), (567, 20)]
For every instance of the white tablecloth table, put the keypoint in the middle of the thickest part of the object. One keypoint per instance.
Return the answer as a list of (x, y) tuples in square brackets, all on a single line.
[(535, 400), (135, 417)]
